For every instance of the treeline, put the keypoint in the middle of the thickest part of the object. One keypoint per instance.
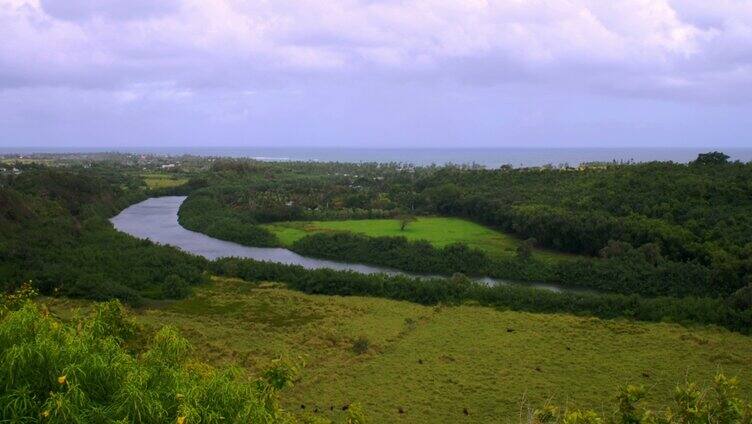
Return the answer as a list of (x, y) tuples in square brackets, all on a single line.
[(699, 213), (203, 213), (54, 231), (728, 313), (394, 252), (625, 270)]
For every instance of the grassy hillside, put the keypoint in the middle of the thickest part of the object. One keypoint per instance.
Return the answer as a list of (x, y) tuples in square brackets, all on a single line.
[(439, 231), (432, 363)]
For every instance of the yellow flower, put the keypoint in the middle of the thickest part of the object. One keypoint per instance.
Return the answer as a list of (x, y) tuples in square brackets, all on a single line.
[(182, 420), (62, 379), (46, 414)]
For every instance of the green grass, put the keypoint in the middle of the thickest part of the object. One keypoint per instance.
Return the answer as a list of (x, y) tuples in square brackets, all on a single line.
[(435, 361), (155, 181), (438, 231)]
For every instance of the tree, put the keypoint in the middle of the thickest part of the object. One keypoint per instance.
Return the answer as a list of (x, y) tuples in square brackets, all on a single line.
[(651, 252), (742, 298), (175, 287), (615, 249), (405, 220), (711, 158), (525, 249)]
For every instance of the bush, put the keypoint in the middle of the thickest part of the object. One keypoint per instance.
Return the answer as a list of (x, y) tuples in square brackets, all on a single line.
[(80, 373), (19, 297), (93, 288), (718, 404), (360, 345), (175, 287), (742, 298)]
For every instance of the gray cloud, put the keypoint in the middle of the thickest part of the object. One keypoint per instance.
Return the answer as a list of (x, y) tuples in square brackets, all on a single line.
[(75, 10), (230, 62)]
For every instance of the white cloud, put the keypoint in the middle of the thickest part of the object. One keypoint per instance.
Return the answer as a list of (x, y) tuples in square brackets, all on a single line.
[(663, 48)]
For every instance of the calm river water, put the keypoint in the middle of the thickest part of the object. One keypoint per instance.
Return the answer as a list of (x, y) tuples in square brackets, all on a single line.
[(156, 219)]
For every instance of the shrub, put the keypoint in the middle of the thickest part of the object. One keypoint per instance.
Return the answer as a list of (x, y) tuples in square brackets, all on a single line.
[(718, 404), (360, 345), (175, 287), (80, 373), (20, 296), (742, 298)]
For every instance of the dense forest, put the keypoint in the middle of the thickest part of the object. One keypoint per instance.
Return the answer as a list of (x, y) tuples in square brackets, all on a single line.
[(54, 231), (657, 228)]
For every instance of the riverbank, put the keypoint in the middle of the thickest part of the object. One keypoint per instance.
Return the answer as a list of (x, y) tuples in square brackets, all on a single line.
[(156, 219)]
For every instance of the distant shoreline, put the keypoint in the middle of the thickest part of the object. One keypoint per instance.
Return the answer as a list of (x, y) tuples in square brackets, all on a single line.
[(487, 157)]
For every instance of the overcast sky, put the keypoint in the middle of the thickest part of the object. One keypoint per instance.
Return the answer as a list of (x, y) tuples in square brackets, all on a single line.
[(371, 73)]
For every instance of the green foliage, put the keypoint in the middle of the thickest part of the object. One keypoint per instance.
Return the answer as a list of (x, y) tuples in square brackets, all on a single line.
[(697, 215), (525, 249), (490, 371), (689, 225), (54, 231), (405, 220), (431, 291), (175, 287), (17, 298), (80, 373), (712, 158), (356, 415), (718, 404), (742, 298), (439, 231), (360, 345), (627, 270), (627, 400), (204, 214), (395, 252)]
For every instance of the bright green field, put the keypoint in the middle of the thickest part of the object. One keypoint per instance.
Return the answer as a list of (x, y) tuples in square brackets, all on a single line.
[(438, 231), (154, 181), (435, 361)]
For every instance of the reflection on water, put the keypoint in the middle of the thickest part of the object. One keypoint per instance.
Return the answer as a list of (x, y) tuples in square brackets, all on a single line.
[(156, 219)]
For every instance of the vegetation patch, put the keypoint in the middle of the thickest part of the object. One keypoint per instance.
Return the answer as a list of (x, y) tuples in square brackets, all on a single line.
[(439, 231), (160, 181), (80, 372), (436, 362)]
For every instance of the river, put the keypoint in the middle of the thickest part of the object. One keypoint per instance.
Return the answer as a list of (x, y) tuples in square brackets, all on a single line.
[(156, 219)]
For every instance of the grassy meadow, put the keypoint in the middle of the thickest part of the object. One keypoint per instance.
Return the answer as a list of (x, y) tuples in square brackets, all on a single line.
[(156, 181), (439, 231), (422, 364)]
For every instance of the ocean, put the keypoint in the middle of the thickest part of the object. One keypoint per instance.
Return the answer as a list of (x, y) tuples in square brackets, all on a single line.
[(487, 157)]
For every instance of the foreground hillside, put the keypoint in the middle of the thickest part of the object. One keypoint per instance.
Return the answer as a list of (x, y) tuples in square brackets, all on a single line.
[(411, 363)]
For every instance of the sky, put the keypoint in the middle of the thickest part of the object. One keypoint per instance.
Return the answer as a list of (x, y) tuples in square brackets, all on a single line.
[(370, 73)]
